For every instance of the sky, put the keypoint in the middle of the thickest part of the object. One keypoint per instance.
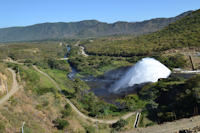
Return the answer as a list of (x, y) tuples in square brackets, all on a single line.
[(30, 12)]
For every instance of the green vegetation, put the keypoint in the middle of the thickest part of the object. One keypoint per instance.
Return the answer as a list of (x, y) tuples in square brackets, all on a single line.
[(182, 33), (174, 99), (39, 99), (147, 121), (90, 129), (133, 102), (119, 124), (97, 65), (131, 121), (61, 123)]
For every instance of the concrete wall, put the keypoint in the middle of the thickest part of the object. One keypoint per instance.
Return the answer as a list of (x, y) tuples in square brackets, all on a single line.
[(185, 75)]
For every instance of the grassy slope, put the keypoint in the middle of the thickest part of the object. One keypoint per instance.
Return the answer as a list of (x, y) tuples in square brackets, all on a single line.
[(59, 76), (22, 108), (182, 33)]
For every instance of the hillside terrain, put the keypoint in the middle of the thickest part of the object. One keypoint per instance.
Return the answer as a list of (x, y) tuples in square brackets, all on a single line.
[(183, 33), (44, 103), (45, 109), (86, 28)]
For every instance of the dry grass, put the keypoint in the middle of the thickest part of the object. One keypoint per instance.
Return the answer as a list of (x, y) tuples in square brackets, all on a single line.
[(9, 80), (131, 121), (25, 111)]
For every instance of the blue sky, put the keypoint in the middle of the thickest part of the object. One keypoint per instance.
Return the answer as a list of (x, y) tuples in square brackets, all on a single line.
[(29, 12)]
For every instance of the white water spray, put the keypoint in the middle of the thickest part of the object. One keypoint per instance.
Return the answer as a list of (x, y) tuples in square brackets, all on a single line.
[(146, 70)]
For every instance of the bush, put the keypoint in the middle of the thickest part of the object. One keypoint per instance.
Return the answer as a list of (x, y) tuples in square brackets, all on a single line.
[(90, 129), (66, 112), (28, 61), (38, 107), (113, 131), (42, 91), (53, 90), (67, 106), (45, 102), (41, 64), (61, 123), (119, 124), (2, 126), (13, 101)]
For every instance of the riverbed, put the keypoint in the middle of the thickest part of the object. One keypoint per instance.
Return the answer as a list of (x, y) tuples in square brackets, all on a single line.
[(99, 85)]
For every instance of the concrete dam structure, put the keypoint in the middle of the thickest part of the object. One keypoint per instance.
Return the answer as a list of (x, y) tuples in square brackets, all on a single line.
[(177, 72)]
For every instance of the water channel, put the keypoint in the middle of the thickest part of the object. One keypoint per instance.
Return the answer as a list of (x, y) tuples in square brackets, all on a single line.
[(98, 85)]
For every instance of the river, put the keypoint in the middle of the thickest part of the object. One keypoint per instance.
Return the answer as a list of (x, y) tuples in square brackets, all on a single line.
[(97, 85)]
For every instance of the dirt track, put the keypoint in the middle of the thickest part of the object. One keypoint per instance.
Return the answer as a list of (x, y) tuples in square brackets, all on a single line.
[(170, 127), (13, 89), (81, 114)]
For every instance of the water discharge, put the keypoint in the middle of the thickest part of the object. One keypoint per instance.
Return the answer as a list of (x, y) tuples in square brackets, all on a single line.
[(146, 70)]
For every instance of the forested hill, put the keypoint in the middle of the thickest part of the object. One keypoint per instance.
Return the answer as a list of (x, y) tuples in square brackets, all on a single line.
[(182, 33), (86, 28)]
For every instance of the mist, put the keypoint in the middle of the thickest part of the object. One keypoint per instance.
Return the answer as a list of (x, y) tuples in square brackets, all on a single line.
[(144, 71)]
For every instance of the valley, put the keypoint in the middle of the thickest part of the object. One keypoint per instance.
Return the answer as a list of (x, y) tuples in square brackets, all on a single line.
[(67, 84)]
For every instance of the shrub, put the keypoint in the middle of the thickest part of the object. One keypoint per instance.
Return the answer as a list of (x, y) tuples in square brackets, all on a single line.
[(61, 123), (45, 102), (28, 61), (53, 90), (90, 129), (119, 124), (66, 112), (67, 106), (38, 107), (13, 101), (42, 91), (2, 126)]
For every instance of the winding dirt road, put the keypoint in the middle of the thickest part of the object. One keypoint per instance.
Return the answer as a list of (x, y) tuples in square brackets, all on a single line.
[(81, 114), (83, 51), (14, 88)]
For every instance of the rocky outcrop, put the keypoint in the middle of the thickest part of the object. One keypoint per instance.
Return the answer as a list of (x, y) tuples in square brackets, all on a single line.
[(2, 83)]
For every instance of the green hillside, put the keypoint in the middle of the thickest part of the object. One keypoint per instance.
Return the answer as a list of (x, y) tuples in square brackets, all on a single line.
[(86, 28), (182, 33)]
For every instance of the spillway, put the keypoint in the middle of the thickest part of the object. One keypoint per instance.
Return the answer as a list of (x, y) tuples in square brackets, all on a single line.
[(145, 70)]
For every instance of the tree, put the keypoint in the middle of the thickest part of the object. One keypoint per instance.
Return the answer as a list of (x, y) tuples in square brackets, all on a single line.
[(90, 129), (153, 103), (61, 123), (119, 124)]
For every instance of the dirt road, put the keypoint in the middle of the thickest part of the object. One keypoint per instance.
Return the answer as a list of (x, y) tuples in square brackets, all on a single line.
[(49, 78), (170, 127), (83, 51), (13, 89)]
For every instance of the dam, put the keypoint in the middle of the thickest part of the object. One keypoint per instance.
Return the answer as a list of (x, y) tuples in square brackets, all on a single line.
[(177, 72)]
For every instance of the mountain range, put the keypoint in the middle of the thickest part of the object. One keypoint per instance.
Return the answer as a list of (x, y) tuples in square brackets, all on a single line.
[(86, 28)]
